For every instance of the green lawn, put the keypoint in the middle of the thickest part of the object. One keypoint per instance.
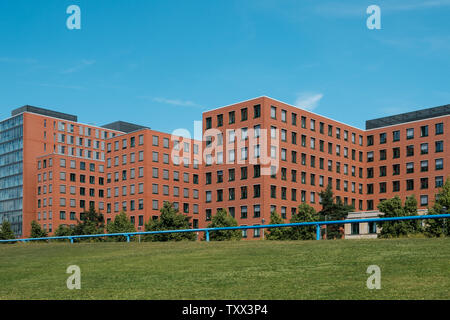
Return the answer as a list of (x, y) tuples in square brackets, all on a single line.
[(410, 269)]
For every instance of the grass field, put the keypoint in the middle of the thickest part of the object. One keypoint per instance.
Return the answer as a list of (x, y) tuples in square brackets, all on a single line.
[(410, 269)]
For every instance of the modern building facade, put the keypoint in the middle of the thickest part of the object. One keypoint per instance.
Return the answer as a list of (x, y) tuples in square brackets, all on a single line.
[(256, 156), (398, 155)]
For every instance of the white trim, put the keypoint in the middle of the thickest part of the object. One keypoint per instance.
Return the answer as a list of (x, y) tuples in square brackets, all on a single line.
[(316, 114), (363, 130)]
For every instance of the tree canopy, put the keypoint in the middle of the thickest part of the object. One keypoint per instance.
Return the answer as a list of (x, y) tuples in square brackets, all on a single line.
[(220, 220), (439, 227), (169, 219)]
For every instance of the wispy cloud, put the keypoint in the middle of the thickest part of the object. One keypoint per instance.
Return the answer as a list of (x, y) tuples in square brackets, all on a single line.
[(428, 44), (346, 10), (174, 102), (62, 86), (17, 60), (308, 101), (414, 5), (83, 64)]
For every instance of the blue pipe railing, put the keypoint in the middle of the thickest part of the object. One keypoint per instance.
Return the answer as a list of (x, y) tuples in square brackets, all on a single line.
[(318, 225)]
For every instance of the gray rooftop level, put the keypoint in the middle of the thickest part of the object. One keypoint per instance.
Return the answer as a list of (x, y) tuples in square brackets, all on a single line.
[(45, 112), (122, 126), (127, 127), (408, 117)]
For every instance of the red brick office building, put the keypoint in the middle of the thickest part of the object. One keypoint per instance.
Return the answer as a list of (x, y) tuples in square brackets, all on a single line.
[(398, 155), (256, 156)]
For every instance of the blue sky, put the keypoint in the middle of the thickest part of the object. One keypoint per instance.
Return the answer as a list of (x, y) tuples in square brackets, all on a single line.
[(161, 63)]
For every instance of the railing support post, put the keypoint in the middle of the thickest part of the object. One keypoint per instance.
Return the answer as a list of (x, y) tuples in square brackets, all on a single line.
[(207, 235), (317, 231), (71, 240), (128, 238)]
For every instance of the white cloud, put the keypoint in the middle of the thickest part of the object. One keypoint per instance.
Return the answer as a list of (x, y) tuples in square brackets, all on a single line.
[(83, 64), (17, 60), (354, 10), (176, 102), (62, 86), (308, 101), (415, 5)]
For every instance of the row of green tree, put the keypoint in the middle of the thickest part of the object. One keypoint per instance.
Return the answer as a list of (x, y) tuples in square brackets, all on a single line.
[(333, 209), (92, 222)]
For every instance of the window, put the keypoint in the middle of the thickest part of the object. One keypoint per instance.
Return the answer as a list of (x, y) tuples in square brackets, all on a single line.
[(410, 167), (439, 164), (439, 181), (370, 140), (382, 187), (409, 150), (396, 135), (395, 186), (424, 148), (256, 191), (220, 120), (231, 194), (257, 131), (423, 183), (243, 212), (383, 154), (273, 192), (355, 228), (256, 211), (372, 227), (439, 128), (244, 192), (410, 184), (155, 140), (257, 111), (424, 131), (283, 135), (243, 173), (410, 133), (231, 174), (283, 115), (396, 169), (382, 138), (244, 114), (208, 124), (439, 146), (423, 200), (256, 171), (231, 117), (395, 153), (273, 112), (424, 166)]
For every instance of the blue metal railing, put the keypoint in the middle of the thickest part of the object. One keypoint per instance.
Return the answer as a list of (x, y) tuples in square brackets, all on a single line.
[(318, 225)]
